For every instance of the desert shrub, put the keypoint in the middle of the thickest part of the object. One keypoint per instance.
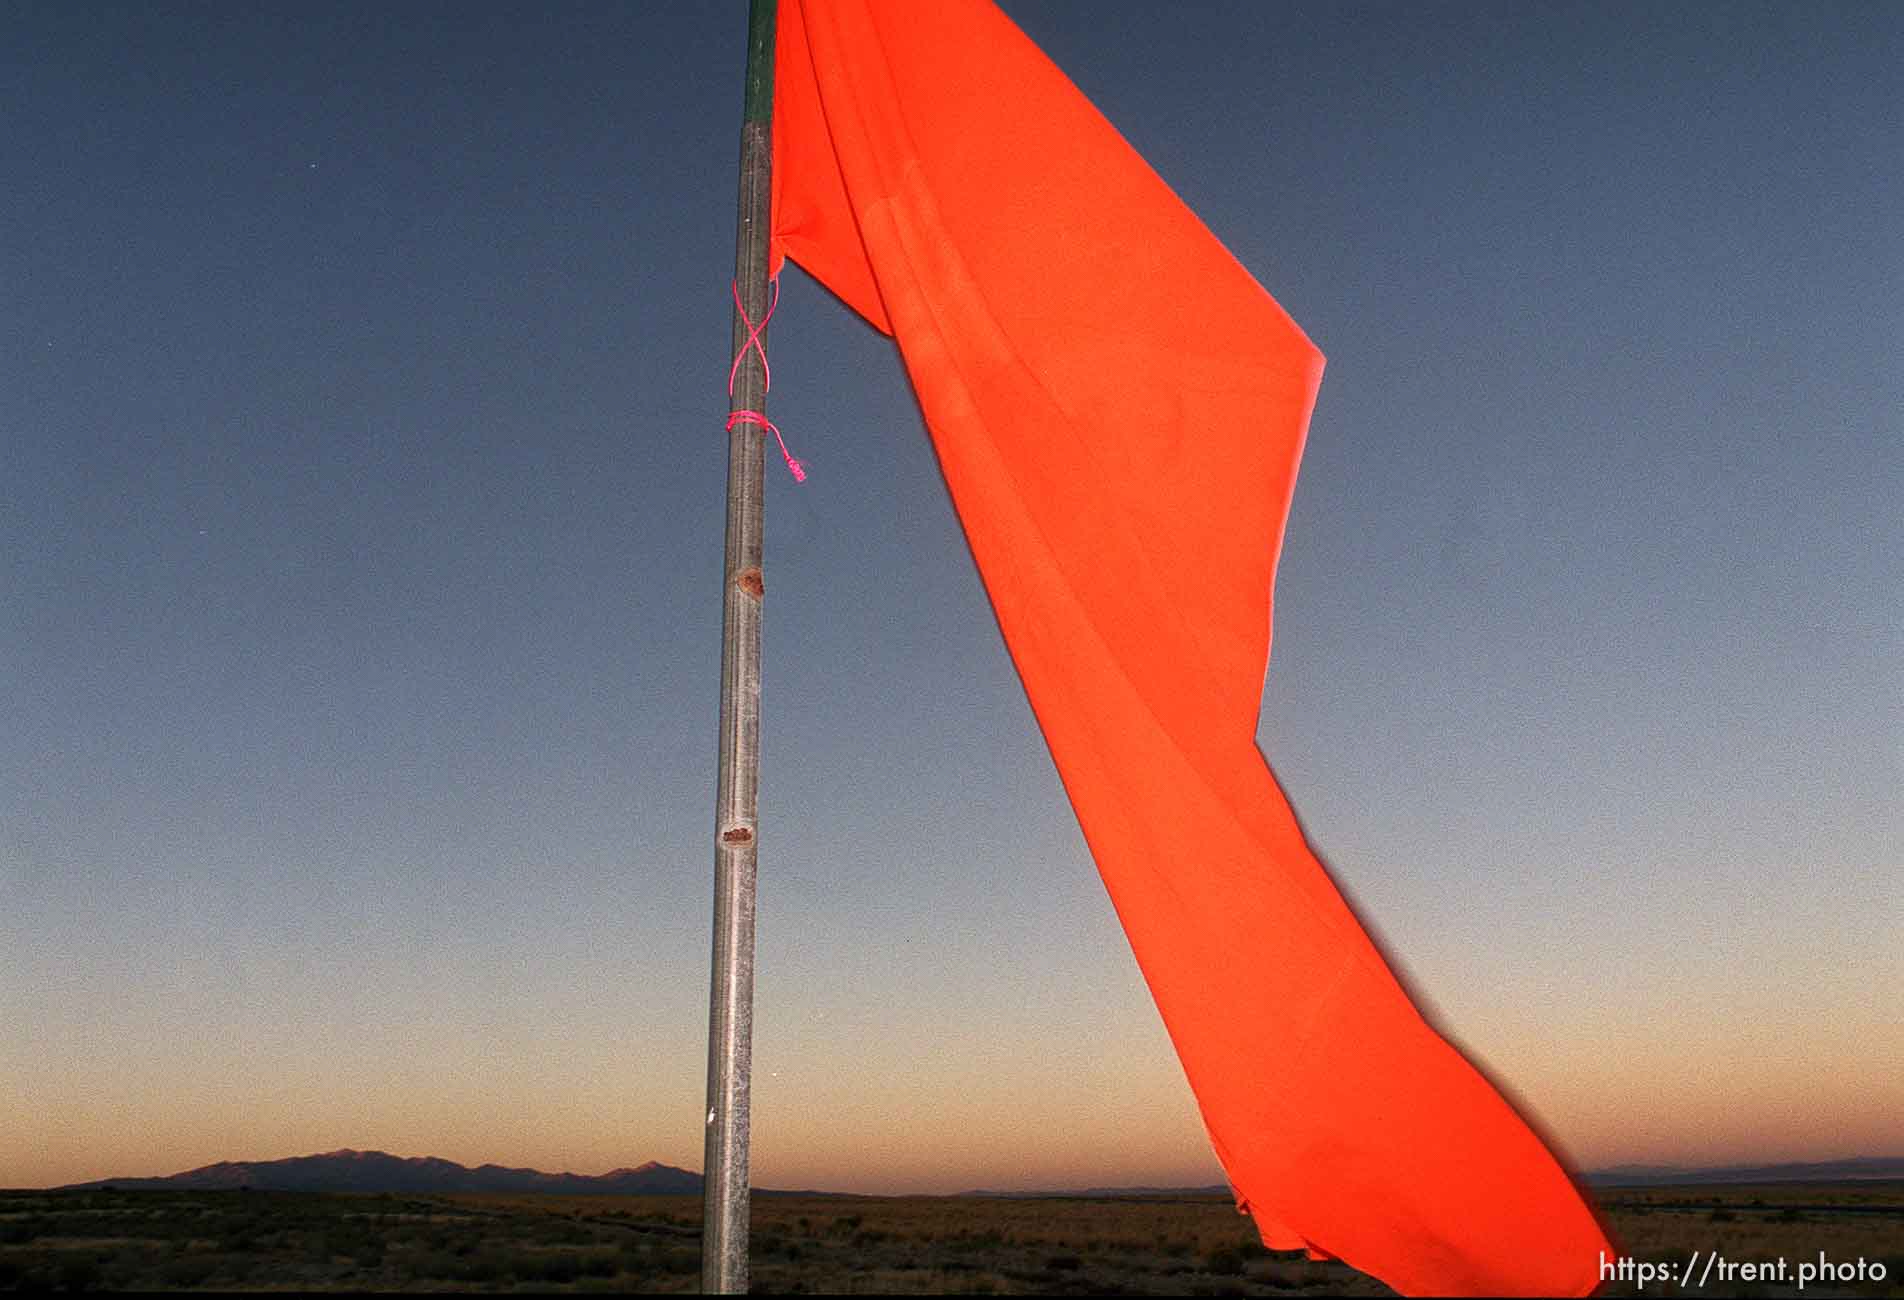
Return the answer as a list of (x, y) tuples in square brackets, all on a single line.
[(434, 1263), (486, 1265), (561, 1232), (677, 1260), (769, 1244), (79, 1273), (1893, 1271), (1225, 1262), (38, 1276), (600, 1263), (187, 1270), (124, 1269), (1064, 1263), (551, 1266)]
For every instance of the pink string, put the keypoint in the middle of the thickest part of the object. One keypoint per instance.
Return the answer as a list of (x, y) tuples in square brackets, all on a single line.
[(798, 470), (753, 337)]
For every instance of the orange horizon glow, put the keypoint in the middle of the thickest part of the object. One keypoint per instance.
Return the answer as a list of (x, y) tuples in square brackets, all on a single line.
[(1096, 1121)]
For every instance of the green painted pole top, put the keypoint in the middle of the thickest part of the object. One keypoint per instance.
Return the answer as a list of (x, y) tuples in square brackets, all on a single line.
[(760, 55)]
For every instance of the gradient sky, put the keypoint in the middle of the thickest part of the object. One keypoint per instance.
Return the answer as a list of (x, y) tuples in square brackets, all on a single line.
[(361, 477)]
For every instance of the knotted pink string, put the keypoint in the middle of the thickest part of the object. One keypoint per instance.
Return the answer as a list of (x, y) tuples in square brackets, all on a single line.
[(794, 467)]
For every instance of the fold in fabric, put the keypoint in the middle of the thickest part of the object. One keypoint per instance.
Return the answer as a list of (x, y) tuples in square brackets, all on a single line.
[(1119, 410)]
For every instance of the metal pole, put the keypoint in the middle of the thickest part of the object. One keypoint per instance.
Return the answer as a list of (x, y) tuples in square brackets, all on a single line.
[(736, 849)]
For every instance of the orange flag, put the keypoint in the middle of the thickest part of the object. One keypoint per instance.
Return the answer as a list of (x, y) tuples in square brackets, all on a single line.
[(1119, 409)]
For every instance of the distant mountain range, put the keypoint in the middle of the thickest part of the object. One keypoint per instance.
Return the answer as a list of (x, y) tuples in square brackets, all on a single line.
[(1825, 1171), (1101, 1193), (377, 1171), (1828, 1171)]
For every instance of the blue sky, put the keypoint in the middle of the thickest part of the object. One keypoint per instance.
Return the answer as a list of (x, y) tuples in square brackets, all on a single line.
[(361, 388)]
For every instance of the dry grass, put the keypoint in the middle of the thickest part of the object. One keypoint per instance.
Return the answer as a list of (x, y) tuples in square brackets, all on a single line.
[(1766, 1222), (978, 1245), (833, 1244)]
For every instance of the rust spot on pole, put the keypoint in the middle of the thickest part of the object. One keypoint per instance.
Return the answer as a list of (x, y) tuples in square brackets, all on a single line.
[(737, 835), (750, 582)]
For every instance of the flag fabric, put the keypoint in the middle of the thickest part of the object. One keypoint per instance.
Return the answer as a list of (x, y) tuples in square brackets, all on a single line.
[(1119, 408)]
